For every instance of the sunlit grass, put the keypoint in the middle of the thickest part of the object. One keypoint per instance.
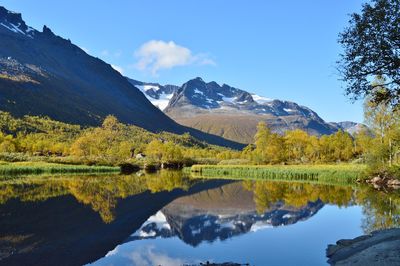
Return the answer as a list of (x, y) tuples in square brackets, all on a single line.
[(43, 167), (338, 173)]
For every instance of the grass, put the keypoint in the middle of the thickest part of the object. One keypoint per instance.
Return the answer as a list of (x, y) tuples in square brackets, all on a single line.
[(51, 168), (336, 173)]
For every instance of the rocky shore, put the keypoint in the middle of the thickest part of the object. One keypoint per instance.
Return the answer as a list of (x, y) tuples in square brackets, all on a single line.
[(378, 248), (384, 181)]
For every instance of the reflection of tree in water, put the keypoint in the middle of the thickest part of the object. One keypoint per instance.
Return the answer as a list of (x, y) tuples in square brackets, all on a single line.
[(100, 192), (31, 190), (381, 209), (167, 181), (296, 194)]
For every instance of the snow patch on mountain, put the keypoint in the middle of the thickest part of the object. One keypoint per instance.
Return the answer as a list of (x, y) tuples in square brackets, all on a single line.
[(15, 28), (198, 91), (228, 99), (261, 99), (163, 98), (13, 22), (288, 110), (145, 88), (163, 102)]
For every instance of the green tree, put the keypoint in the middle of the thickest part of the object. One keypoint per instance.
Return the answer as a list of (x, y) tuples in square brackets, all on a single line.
[(384, 120), (371, 46)]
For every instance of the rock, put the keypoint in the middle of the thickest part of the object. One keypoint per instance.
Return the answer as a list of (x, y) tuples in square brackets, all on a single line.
[(378, 248), (376, 180), (393, 182), (140, 173), (140, 156), (376, 186)]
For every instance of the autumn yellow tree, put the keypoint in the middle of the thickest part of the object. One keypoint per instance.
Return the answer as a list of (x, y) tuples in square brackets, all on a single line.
[(296, 142), (269, 146)]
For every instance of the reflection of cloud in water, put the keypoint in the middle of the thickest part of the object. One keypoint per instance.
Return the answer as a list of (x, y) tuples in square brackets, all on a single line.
[(259, 225), (147, 256), (112, 252)]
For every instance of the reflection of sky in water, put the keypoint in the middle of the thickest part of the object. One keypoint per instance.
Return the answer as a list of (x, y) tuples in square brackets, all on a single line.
[(303, 243)]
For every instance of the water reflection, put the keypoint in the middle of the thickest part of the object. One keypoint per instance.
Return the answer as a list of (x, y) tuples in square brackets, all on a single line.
[(101, 193), (221, 213), (75, 220), (381, 209)]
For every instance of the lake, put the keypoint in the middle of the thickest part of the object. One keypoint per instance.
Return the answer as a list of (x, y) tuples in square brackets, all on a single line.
[(169, 218)]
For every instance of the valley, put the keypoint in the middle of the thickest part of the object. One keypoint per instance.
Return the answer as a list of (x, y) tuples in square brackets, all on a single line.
[(111, 153)]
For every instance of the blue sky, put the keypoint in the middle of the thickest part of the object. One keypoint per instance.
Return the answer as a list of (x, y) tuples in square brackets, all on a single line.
[(278, 49)]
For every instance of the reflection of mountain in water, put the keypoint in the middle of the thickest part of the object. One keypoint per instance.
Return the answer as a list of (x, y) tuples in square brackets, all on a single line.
[(220, 213), (60, 225)]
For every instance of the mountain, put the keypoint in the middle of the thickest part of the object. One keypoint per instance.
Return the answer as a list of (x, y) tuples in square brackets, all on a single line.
[(157, 94), (231, 112), (352, 127), (44, 74)]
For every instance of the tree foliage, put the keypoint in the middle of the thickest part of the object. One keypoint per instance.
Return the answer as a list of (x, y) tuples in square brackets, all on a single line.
[(371, 46), (111, 143), (297, 146), (384, 121)]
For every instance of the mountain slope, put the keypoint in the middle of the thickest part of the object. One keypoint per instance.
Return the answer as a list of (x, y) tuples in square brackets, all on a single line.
[(352, 127), (44, 74), (231, 112)]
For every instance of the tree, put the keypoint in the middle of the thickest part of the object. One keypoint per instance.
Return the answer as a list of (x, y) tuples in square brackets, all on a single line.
[(371, 46), (7, 143), (384, 121), (296, 143), (261, 142), (343, 146), (362, 142), (111, 123), (269, 146), (155, 150), (171, 153)]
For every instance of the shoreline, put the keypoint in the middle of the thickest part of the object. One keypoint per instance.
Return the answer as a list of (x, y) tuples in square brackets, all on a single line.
[(381, 247)]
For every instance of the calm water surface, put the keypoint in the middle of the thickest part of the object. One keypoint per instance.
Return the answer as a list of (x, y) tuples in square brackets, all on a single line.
[(171, 219)]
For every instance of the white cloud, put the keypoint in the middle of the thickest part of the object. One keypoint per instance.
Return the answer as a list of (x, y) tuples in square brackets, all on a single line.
[(155, 55), (118, 68), (147, 256), (108, 53), (117, 54), (105, 53)]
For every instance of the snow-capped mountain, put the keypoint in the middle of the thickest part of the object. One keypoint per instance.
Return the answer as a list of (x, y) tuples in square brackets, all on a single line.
[(352, 127), (231, 112), (13, 22), (157, 94), (215, 98)]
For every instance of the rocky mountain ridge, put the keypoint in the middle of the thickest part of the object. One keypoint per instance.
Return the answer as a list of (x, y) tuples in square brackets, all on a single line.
[(46, 75), (234, 113)]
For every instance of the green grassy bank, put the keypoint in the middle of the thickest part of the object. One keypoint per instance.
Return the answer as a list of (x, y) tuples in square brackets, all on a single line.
[(338, 173), (7, 168)]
